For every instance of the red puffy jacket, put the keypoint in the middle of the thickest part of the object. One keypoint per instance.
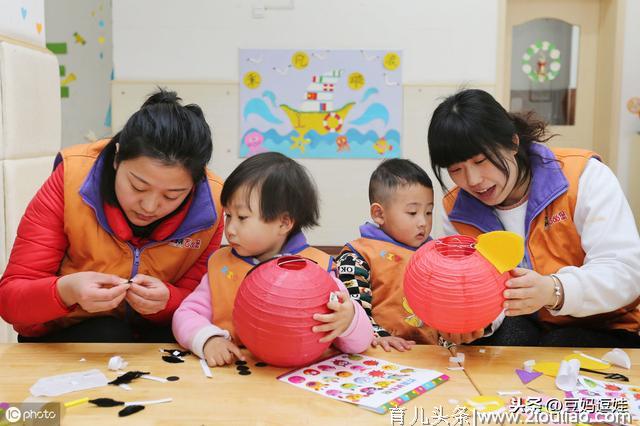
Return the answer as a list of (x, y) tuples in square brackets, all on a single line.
[(28, 294)]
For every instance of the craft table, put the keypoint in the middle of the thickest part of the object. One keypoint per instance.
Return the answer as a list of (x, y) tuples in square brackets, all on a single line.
[(228, 398)]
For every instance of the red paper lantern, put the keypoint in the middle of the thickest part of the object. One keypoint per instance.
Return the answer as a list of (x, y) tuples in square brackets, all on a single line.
[(451, 287), (274, 307)]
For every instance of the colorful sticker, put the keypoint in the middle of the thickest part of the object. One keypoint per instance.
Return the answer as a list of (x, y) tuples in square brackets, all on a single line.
[(325, 367), (296, 379)]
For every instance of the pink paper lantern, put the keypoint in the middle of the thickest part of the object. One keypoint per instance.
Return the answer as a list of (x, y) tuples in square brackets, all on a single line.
[(451, 287), (274, 307)]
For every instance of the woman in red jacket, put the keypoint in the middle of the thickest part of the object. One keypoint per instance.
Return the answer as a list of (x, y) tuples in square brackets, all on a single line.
[(119, 234)]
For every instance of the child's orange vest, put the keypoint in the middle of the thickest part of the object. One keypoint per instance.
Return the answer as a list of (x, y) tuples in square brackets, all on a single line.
[(92, 245), (552, 241), (388, 261), (227, 270)]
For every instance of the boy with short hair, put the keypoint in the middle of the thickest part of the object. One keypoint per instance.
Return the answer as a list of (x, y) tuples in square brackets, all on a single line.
[(372, 267)]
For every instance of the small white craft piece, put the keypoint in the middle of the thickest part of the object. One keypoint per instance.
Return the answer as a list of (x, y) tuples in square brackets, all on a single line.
[(117, 363), (618, 357), (567, 377), (150, 402), (71, 382), (458, 359), (205, 368), (509, 393), (455, 368), (592, 358), (482, 351), (154, 378), (528, 365)]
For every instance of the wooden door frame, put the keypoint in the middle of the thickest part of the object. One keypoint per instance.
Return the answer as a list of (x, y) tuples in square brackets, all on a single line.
[(608, 75)]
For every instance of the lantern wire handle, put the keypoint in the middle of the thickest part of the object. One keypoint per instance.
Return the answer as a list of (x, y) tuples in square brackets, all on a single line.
[(454, 247)]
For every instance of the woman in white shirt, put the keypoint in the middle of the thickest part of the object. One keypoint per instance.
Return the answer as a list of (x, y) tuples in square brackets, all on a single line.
[(579, 282)]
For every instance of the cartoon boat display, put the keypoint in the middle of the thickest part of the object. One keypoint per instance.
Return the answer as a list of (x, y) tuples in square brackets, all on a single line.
[(316, 112)]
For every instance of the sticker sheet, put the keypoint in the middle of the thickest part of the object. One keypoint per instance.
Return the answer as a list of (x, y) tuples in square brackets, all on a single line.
[(370, 382)]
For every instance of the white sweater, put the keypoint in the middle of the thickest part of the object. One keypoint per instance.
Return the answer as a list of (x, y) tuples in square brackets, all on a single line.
[(610, 276)]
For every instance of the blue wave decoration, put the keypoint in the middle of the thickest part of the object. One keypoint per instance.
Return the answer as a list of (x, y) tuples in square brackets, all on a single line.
[(370, 91), (374, 112), (271, 96), (361, 145), (258, 107)]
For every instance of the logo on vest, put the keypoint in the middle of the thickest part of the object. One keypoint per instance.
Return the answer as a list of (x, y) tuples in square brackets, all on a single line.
[(187, 243), (558, 217), (411, 319), (390, 256), (229, 274)]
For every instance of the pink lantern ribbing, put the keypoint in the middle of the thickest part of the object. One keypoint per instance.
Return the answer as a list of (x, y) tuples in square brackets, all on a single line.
[(274, 307), (451, 287)]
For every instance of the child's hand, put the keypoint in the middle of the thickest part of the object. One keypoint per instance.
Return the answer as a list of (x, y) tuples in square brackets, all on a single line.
[(219, 351), (527, 292), (459, 338), (337, 322), (388, 342)]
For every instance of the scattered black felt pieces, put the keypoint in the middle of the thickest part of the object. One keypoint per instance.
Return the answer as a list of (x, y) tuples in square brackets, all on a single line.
[(131, 409), (176, 352), (106, 402), (242, 367), (240, 362), (172, 359), (127, 377), (261, 364), (244, 372), (173, 378)]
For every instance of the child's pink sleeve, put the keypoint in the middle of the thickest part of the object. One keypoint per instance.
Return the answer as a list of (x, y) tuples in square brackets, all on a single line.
[(358, 336), (192, 325)]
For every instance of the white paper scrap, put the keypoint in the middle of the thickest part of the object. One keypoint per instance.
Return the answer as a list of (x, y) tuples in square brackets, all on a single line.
[(567, 378), (70, 382), (618, 357)]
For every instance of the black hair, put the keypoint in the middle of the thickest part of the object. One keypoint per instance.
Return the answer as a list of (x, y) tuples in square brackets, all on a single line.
[(472, 122), (393, 173), (162, 129), (284, 187)]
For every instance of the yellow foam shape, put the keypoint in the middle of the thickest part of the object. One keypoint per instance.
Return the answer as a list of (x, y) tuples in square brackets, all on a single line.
[(588, 362), (547, 368), (485, 403), (503, 249)]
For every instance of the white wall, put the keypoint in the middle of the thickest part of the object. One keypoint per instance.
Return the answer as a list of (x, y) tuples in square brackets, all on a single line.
[(198, 40), (450, 41), (630, 87), (23, 20), (85, 110)]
